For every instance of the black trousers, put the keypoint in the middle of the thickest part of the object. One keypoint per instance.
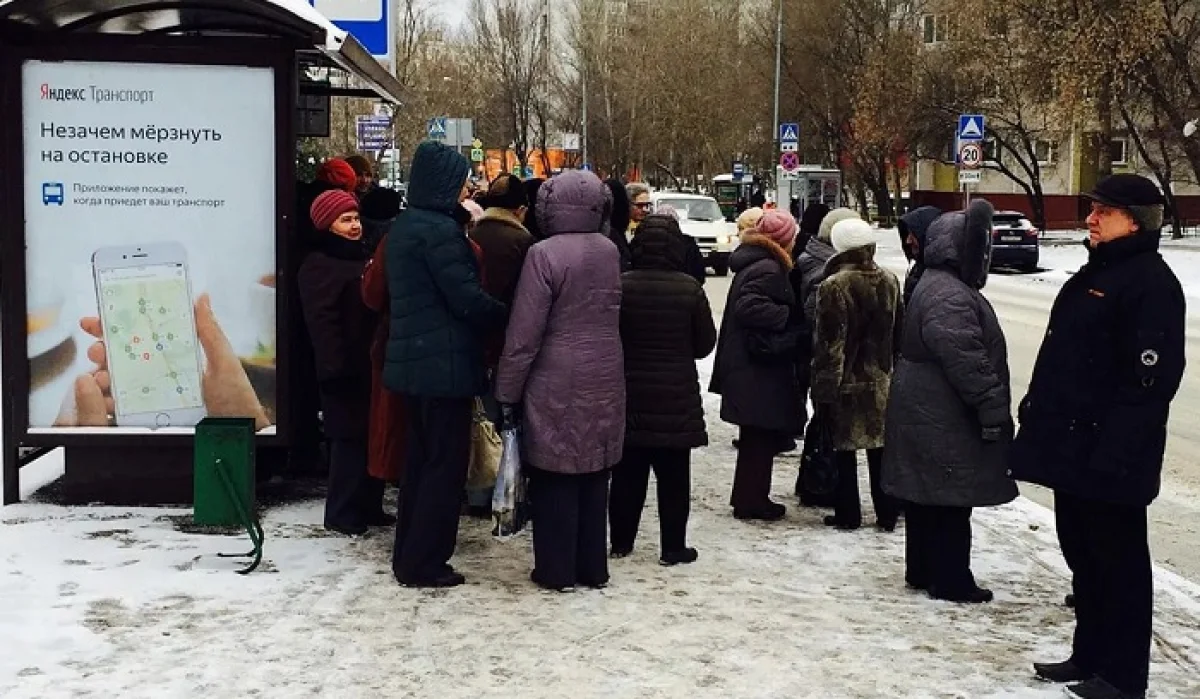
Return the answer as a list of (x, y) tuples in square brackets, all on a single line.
[(846, 506), (937, 549), (435, 474), (570, 535), (631, 478), (755, 462), (1107, 550), (354, 497)]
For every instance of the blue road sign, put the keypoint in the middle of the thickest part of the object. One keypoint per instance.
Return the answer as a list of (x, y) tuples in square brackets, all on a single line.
[(437, 128), (971, 127), (587, 167), (789, 133), (369, 21), (739, 171)]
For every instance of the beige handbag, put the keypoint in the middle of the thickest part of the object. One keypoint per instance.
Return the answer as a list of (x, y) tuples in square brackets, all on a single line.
[(486, 448)]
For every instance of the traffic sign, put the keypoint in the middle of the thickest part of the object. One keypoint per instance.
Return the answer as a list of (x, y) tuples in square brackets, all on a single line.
[(971, 127), (970, 154), (789, 161), (477, 143), (586, 167), (739, 171), (789, 133), (970, 176), (372, 22), (437, 128), (477, 155)]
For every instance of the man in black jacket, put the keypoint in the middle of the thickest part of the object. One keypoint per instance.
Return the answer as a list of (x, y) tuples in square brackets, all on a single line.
[(1094, 428)]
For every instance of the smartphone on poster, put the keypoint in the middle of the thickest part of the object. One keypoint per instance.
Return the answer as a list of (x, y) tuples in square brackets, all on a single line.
[(149, 327)]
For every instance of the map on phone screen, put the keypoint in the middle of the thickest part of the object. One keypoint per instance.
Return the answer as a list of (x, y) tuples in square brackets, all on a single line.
[(150, 331)]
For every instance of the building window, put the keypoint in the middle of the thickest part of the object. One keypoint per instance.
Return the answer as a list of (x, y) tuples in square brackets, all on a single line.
[(1044, 150), (935, 28), (1118, 150)]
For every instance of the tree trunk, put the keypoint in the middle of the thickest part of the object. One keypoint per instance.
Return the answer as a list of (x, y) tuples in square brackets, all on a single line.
[(1104, 121)]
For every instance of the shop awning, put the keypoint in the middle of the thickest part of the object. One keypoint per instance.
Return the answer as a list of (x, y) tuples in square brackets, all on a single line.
[(292, 18)]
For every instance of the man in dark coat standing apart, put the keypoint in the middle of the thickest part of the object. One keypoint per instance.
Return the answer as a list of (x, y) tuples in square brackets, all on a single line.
[(1094, 428)]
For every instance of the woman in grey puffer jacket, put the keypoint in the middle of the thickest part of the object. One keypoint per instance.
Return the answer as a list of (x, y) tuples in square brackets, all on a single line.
[(949, 422)]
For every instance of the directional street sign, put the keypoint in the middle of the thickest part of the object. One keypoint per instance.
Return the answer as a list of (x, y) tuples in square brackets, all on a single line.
[(437, 128), (970, 127), (739, 171), (970, 176), (970, 155), (374, 133), (789, 161)]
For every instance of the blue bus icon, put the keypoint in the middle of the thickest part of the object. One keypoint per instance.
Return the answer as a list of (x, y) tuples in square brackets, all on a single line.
[(52, 193)]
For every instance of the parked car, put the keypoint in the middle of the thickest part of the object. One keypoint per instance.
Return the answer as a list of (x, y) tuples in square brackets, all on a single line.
[(1014, 241), (701, 218)]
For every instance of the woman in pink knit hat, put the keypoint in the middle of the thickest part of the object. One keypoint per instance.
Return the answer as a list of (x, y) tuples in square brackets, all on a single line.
[(340, 328), (755, 373)]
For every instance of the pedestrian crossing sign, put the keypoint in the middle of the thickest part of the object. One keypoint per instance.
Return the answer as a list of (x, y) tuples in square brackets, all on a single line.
[(970, 127), (789, 133), (437, 128)]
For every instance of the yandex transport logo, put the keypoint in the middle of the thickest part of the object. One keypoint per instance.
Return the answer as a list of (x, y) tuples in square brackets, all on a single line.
[(59, 94)]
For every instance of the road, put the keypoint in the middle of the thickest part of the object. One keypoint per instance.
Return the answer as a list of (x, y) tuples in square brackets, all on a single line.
[(1023, 305)]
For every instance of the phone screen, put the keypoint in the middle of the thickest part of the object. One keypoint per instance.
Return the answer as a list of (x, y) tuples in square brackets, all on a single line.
[(151, 337)]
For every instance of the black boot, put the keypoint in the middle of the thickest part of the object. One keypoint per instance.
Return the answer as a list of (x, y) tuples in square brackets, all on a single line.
[(682, 556), (771, 512), (976, 595), (1098, 688), (1061, 673)]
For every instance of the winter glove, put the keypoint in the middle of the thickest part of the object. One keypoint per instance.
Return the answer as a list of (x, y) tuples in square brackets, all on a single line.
[(509, 417)]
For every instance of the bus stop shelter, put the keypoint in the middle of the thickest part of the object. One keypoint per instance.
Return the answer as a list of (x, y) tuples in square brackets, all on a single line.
[(147, 165)]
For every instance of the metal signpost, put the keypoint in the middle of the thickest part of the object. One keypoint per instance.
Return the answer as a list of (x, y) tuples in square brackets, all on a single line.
[(969, 138), (372, 22), (739, 171)]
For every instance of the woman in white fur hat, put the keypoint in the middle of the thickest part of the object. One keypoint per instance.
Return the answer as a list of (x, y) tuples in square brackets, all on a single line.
[(857, 328)]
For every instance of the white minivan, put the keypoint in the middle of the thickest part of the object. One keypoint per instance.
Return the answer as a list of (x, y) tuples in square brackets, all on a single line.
[(700, 217)]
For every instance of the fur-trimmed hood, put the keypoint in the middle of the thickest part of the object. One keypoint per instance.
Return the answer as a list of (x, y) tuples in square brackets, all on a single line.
[(755, 247), (961, 241)]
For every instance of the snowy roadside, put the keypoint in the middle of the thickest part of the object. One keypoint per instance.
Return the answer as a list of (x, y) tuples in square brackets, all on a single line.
[(118, 602)]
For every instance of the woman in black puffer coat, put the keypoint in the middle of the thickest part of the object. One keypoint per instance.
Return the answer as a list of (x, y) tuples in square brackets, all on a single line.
[(666, 325), (949, 423)]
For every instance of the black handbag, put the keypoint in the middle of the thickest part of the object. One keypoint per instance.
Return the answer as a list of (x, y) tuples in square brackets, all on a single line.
[(818, 468)]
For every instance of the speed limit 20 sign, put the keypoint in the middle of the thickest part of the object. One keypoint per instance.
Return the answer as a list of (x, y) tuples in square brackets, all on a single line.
[(970, 154)]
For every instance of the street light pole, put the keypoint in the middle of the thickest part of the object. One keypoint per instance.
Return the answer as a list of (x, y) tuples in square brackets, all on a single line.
[(778, 66)]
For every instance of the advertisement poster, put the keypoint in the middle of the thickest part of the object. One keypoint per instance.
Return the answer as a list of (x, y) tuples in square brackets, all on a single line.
[(150, 245)]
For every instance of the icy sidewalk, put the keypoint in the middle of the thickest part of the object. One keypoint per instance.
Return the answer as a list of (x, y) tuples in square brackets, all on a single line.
[(115, 602)]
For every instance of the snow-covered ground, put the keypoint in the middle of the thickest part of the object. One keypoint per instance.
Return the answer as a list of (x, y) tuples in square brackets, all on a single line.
[(119, 602)]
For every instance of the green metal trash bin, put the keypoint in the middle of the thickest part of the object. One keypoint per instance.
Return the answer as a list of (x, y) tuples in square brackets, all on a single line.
[(223, 464)]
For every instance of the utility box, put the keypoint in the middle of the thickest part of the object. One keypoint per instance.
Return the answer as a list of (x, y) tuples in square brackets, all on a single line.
[(223, 464)]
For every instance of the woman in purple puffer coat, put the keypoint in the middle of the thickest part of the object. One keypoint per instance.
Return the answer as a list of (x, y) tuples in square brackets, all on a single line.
[(563, 364)]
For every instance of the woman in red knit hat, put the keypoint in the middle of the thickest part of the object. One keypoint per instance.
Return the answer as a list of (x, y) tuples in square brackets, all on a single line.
[(340, 328)]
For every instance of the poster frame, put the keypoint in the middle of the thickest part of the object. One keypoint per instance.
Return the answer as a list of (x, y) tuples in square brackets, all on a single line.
[(279, 55)]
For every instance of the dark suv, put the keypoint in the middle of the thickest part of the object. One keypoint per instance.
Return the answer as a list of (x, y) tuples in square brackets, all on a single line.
[(1014, 241)]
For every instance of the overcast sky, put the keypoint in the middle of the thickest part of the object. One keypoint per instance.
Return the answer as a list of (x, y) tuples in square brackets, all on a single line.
[(455, 11)]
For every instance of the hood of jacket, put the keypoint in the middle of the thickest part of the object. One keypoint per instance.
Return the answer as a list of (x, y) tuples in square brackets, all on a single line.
[(961, 241), (436, 178), (573, 202), (860, 259), (916, 223), (755, 247), (820, 250), (825, 232), (659, 245)]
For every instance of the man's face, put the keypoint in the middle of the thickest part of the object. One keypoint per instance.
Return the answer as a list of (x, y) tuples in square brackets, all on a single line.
[(640, 208), (1108, 223), (365, 180)]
